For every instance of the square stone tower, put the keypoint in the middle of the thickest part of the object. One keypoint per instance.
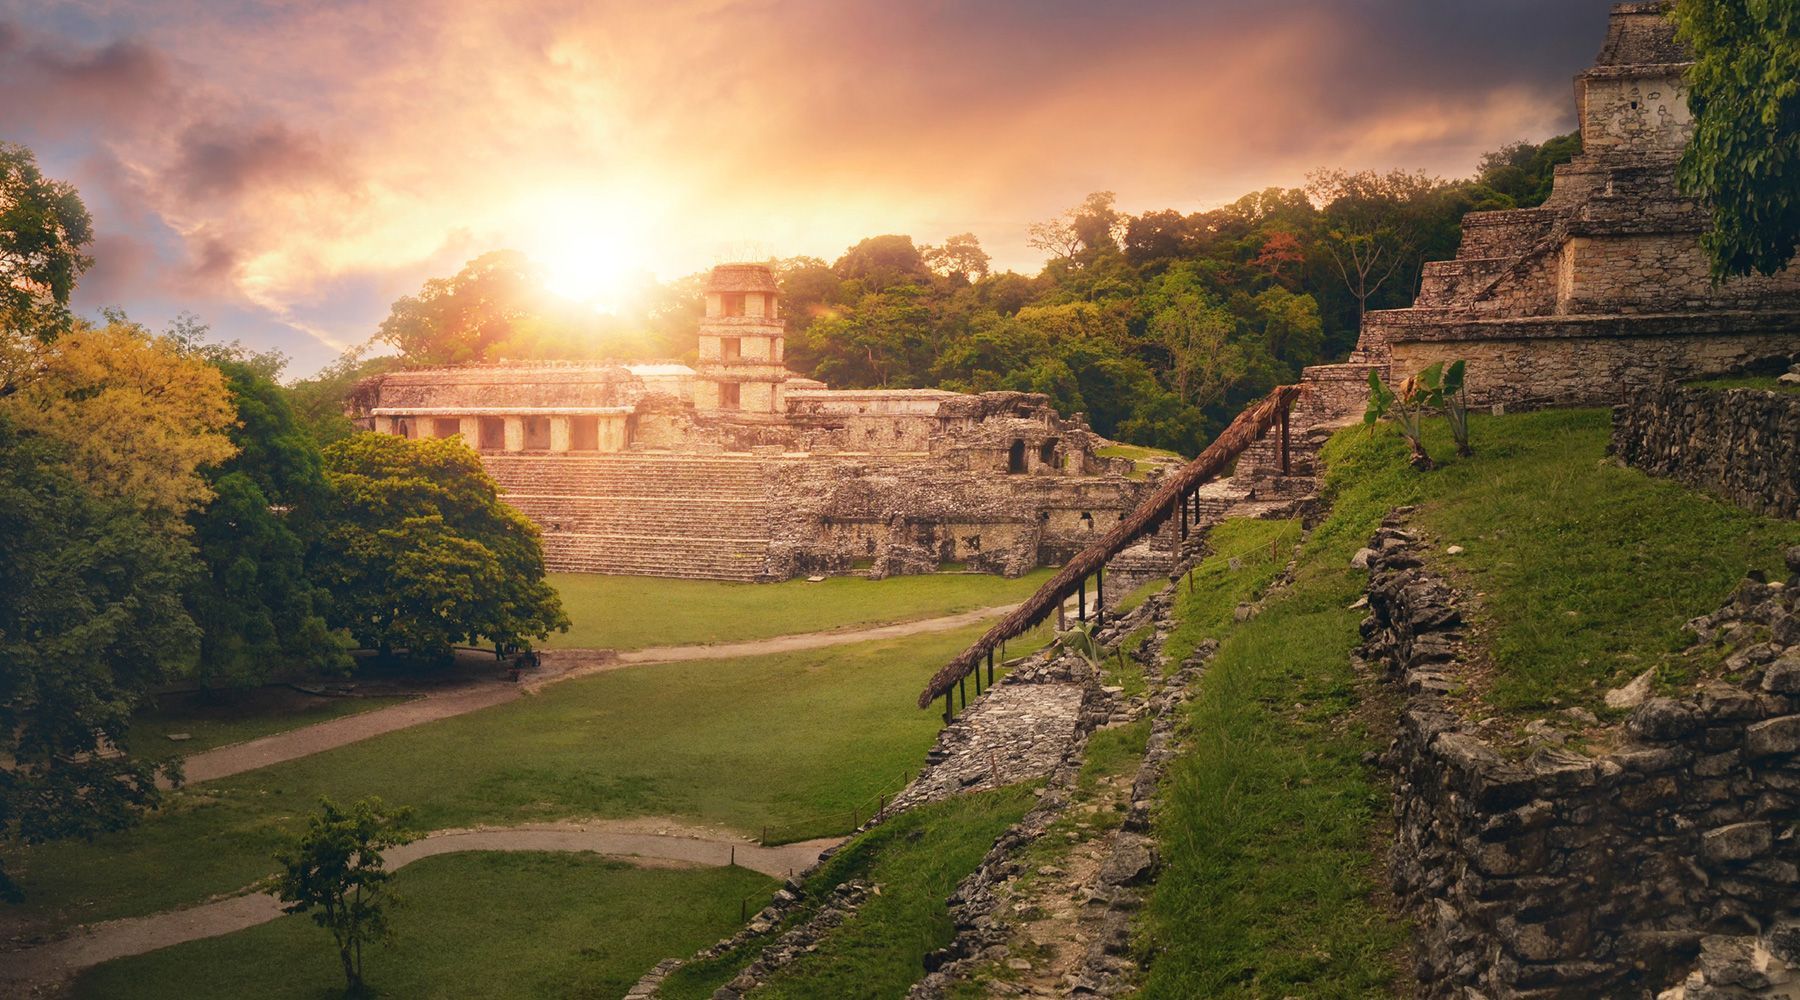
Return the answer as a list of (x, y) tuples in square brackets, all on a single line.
[(741, 336)]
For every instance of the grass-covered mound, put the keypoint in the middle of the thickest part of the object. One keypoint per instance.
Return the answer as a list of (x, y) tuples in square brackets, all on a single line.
[(1272, 822), (915, 859), (481, 925), (631, 612)]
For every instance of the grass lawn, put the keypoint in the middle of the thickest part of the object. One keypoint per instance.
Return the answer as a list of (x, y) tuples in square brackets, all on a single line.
[(487, 925), (916, 859), (631, 612), (802, 742), (1587, 570), (1271, 825), (242, 716), (1268, 820)]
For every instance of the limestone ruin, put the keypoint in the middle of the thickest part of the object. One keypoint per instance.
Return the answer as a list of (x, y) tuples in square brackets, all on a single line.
[(1605, 284), (739, 469)]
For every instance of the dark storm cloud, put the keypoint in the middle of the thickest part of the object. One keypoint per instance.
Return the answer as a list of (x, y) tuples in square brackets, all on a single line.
[(218, 161), (54, 87)]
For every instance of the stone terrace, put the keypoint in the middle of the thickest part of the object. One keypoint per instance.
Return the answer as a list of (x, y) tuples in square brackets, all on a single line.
[(693, 516)]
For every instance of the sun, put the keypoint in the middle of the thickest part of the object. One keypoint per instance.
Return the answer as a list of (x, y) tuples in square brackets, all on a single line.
[(588, 268)]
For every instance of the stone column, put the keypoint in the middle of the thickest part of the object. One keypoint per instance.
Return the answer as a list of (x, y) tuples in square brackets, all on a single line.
[(515, 433), (559, 433), (470, 429)]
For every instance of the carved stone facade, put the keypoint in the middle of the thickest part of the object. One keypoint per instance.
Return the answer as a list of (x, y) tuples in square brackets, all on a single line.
[(740, 469), (1605, 285)]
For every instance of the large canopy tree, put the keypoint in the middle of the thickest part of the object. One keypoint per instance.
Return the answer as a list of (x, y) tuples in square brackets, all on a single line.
[(418, 553), (254, 602), (1744, 160), (90, 618), (44, 234)]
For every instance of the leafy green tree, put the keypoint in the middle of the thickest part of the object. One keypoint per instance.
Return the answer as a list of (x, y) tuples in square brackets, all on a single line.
[(462, 319), (254, 602), (335, 872), (1520, 175), (1373, 230), (417, 551), (1744, 159), (44, 234), (881, 261), (90, 619)]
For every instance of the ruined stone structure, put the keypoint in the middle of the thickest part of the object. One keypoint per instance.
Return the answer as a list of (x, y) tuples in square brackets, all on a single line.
[(739, 469), (1601, 867), (1741, 444), (1603, 286)]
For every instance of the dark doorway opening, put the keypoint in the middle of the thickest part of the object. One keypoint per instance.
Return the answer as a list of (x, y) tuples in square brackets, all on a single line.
[(1015, 459)]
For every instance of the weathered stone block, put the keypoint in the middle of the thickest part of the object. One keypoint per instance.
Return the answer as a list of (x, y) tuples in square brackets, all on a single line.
[(1775, 736), (1737, 843)]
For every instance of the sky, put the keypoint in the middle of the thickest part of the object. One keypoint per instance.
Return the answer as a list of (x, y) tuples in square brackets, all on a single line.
[(285, 169)]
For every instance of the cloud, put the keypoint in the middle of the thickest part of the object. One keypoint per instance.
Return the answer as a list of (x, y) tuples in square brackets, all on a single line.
[(269, 156)]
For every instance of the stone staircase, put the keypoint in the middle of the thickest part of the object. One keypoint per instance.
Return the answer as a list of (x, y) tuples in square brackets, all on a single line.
[(702, 517)]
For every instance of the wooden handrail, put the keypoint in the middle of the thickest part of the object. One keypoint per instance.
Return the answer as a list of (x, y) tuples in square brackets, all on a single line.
[(1146, 518)]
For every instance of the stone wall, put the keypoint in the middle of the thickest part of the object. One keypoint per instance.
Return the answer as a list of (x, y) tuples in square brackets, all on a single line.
[(1563, 362), (1742, 444), (1534, 870)]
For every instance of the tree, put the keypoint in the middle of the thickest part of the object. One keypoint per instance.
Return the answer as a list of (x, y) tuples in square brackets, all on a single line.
[(1204, 359), (44, 233), (1372, 229), (1082, 233), (881, 261), (138, 415), (253, 600), (90, 620), (462, 319), (334, 871), (1743, 162), (1523, 173), (960, 257), (418, 552)]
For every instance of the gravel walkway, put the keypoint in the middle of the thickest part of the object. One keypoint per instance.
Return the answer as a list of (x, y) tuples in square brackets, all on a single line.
[(559, 665), (36, 969)]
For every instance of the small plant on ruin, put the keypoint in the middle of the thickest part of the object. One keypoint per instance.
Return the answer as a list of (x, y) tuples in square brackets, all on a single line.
[(1406, 406), (334, 871), (1453, 396)]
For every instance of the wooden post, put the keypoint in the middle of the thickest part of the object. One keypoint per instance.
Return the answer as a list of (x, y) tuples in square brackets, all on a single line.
[(962, 691), (1100, 596), (948, 714), (1184, 523), (733, 856), (991, 665), (1081, 600), (1285, 467)]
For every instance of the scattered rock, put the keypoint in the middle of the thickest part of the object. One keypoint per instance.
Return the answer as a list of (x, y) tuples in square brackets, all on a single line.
[(1361, 559), (179, 737), (1455, 550), (1632, 694)]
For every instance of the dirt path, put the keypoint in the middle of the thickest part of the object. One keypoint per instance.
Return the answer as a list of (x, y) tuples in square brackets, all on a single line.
[(645, 842), (559, 665)]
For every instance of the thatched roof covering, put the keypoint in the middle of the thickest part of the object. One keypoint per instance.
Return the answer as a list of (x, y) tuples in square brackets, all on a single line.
[(1148, 516)]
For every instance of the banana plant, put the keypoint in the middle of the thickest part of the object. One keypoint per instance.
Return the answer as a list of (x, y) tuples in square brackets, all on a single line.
[(1406, 405)]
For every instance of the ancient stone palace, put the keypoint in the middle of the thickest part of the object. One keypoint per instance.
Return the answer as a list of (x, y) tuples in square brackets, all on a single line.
[(736, 468)]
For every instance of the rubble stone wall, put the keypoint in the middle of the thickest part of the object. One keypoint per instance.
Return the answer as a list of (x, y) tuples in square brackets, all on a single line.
[(1550, 873), (1742, 444)]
